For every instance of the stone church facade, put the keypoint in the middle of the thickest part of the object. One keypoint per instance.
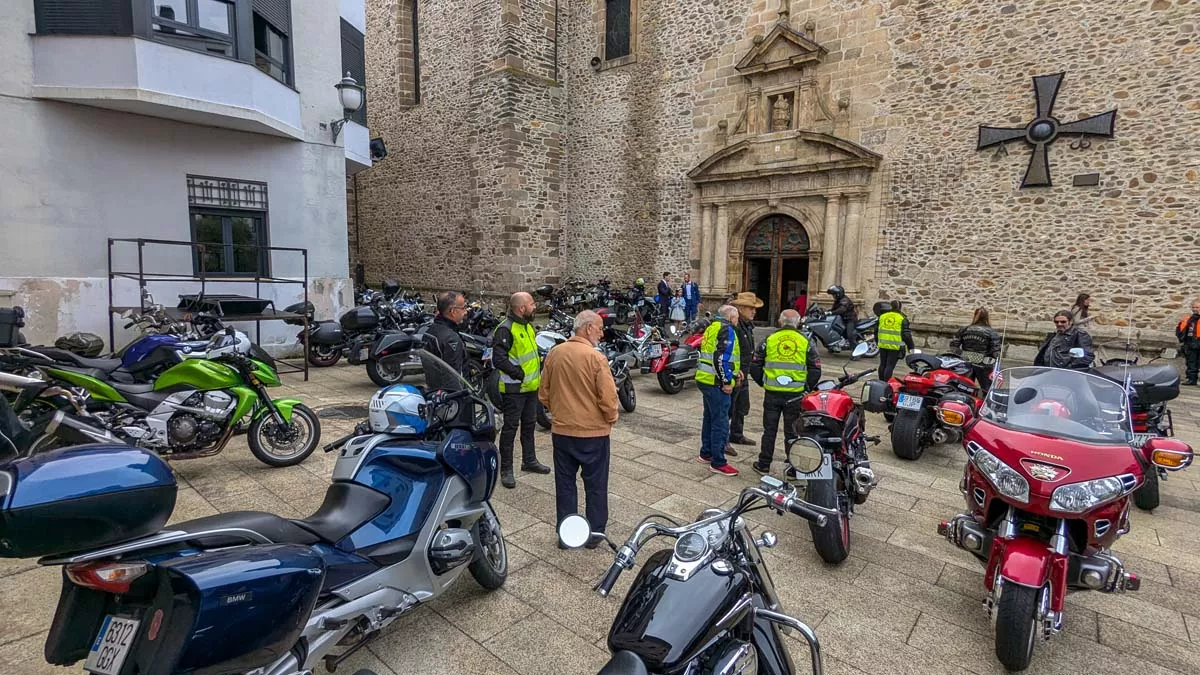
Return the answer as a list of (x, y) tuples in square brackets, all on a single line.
[(786, 145)]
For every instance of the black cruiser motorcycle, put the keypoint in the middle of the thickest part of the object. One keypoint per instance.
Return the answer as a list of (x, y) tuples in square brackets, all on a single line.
[(708, 605)]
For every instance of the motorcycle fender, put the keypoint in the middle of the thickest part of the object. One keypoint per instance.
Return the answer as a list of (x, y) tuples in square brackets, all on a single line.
[(390, 343), (246, 399), (1026, 561), (283, 405), (99, 389)]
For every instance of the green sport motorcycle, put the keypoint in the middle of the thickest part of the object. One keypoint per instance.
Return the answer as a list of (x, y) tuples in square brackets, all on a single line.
[(194, 407)]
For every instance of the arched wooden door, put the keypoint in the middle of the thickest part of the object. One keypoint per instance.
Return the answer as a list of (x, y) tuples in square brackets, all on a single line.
[(776, 265)]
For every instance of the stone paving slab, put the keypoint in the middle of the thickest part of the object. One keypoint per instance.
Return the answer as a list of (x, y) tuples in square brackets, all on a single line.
[(905, 601)]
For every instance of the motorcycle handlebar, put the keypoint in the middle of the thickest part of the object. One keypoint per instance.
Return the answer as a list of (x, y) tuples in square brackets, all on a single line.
[(806, 512), (604, 586)]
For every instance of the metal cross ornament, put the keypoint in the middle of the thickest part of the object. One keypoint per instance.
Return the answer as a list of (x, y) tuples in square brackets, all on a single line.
[(1045, 129)]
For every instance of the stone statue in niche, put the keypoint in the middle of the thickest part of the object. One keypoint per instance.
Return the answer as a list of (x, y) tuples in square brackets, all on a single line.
[(781, 113)]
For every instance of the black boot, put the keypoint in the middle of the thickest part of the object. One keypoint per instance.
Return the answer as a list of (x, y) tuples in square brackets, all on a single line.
[(741, 440), (535, 467), (507, 479)]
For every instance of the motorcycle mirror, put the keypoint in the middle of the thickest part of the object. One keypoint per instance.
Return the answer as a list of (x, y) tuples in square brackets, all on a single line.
[(860, 350), (826, 385), (574, 531), (1077, 352)]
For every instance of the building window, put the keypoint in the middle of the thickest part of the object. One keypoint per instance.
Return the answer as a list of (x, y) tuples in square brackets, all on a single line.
[(203, 25), (230, 218), (618, 25), (270, 49), (416, 56), (354, 62)]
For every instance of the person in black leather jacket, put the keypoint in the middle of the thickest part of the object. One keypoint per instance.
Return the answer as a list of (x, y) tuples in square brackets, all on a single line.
[(979, 345), (1055, 349), (844, 307), (442, 338)]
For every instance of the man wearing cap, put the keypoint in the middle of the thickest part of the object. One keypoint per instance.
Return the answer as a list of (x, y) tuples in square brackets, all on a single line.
[(746, 303)]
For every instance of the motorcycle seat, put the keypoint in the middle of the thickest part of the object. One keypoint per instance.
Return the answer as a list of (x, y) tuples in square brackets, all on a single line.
[(347, 506), (104, 365), (624, 663), (208, 530), (135, 389)]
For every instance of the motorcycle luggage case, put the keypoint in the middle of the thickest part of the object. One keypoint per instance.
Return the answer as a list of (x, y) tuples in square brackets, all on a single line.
[(877, 396), (359, 319), (327, 333), (82, 497), (10, 320), (87, 345), (1155, 383), (302, 308)]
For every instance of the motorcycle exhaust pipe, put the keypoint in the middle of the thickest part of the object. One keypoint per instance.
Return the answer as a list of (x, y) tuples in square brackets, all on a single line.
[(864, 479), (939, 436), (14, 383)]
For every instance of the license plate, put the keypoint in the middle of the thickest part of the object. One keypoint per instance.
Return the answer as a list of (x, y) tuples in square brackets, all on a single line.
[(487, 354), (1141, 439), (640, 303), (824, 472), (910, 402), (576, 299), (364, 353), (111, 646), (656, 351)]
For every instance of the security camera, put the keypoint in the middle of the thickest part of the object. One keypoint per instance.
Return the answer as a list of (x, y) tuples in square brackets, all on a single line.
[(595, 63), (378, 149)]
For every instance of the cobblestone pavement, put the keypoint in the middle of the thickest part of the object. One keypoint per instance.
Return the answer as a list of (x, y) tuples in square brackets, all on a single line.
[(904, 602)]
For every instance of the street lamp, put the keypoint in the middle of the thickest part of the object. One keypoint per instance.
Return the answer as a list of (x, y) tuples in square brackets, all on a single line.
[(350, 94)]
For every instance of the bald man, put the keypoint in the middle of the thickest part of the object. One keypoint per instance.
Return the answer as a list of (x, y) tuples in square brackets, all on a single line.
[(786, 364), (515, 355)]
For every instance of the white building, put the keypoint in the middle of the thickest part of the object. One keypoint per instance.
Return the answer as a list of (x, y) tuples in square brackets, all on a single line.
[(197, 120)]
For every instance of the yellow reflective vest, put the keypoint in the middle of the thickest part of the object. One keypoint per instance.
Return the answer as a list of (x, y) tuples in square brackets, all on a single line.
[(706, 371), (523, 354), (785, 366), (889, 331)]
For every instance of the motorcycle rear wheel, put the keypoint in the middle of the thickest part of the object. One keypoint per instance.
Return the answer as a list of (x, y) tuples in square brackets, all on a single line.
[(627, 395), (832, 541), (322, 356), (490, 566), (264, 438), (669, 383), (906, 435), (1146, 497), (385, 374), (1016, 626)]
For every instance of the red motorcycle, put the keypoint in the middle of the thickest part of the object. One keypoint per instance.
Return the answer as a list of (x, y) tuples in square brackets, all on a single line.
[(1048, 487), (911, 403), (677, 363), (829, 451)]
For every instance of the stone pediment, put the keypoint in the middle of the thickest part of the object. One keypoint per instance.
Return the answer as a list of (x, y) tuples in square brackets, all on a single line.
[(779, 49), (791, 152)]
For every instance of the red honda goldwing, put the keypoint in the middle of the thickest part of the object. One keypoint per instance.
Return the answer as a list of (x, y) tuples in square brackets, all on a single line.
[(1048, 487)]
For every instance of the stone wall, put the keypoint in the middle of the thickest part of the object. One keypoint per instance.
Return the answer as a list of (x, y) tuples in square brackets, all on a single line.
[(540, 172)]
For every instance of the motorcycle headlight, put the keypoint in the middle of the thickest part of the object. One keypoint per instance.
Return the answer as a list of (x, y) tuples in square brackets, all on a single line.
[(1002, 476), (1080, 497)]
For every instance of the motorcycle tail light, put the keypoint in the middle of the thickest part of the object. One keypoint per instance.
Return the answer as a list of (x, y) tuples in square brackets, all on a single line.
[(110, 577), (952, 417)]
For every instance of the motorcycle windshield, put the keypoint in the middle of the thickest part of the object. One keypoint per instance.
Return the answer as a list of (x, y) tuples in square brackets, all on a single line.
[(439, 374), (1059, 403)]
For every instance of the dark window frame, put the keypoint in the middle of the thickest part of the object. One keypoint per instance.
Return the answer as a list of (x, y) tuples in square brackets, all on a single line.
[(286, 65), (192, 25), (416, 41), (227, 215), (630, 24)]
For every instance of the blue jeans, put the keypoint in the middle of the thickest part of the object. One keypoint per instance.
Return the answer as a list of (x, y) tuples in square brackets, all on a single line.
[(715, 432)]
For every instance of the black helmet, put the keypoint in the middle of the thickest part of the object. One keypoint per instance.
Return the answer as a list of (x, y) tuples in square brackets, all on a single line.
[(836, 291)]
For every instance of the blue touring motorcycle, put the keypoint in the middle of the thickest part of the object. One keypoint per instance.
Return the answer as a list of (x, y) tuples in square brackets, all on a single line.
[(250, 592)]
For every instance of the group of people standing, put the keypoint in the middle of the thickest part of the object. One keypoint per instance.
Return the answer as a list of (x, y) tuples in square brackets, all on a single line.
[(679, 304)]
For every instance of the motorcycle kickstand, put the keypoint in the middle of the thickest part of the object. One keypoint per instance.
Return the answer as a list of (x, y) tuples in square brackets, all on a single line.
[(332, 661)]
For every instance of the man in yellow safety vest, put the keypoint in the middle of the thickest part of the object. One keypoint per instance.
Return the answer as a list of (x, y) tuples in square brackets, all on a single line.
[(515, 355), (720, 368), (786, 365), (895, 337)]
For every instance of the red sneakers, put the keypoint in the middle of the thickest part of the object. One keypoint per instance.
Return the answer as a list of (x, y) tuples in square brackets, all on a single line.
[(726, 470)]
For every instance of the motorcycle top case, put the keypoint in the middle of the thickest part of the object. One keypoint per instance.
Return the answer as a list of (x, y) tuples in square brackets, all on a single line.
[(82, 497), (1151, 384), (359, 318)]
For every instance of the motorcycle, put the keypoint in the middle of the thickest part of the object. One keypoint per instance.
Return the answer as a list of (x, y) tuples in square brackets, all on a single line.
[(546, 340), (407, 514), (709, 604), (829, 330), (41, 416), (829, 451), (195, 406), (678, 362), (912, 402), (1037, 535), (326, 342)]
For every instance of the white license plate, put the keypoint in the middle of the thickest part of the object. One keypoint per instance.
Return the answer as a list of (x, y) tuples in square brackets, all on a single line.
[(487, 354), (656, 351), (111, 646), (910, 402), (576, 299), (1139, 440), (640, 303), (825, 471), (364, 353)]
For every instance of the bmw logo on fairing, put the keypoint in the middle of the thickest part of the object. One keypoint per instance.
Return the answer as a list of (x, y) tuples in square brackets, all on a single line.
[(493, 463)]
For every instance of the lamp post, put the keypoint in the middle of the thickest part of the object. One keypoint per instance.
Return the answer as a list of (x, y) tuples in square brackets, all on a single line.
[(350, 94)]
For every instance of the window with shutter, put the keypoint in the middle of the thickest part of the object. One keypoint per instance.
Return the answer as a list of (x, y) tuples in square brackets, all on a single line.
[(88, 17), (354, 62)]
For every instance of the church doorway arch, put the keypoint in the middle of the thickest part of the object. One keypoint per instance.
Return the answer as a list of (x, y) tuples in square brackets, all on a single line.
[(775, 268)]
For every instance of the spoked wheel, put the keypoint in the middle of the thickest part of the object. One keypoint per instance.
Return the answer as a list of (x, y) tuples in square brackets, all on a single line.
[(907, 442), (286, 445), (627, 395), (323, 356), (669, 383), (544, 419), (490, 567), (386, 371), (833, 540), (872, 349), (1016, 626), (1146, 496)]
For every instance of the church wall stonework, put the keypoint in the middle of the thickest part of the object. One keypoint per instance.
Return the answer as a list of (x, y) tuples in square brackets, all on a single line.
[(531, 171)]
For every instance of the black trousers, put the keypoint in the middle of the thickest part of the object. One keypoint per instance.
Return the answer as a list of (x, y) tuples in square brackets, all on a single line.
[(738, 409), (888, 358), (518, 409), (983, 375), (589, 456), (773, 407), (1191, 355)]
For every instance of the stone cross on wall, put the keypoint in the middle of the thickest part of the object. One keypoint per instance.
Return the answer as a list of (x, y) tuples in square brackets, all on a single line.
[(1045, 129)]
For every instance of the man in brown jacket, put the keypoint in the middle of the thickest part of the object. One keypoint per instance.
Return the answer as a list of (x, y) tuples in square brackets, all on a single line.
[(578, 390)]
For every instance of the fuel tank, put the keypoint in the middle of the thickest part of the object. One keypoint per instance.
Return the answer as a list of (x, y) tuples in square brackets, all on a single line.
[(666, 621)]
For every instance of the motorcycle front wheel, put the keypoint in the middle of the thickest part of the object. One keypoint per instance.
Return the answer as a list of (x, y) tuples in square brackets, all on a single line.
[(490, 567), (833, 540), (1146, 497), (386, 371), (669, 383), (906, 435), (276, 445), (1016, 626), (323, 356), (627, 395)]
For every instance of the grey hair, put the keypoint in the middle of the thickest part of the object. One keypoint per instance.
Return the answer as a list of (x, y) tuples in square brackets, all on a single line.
[(729, 312), (789, 318), (585, 318)]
